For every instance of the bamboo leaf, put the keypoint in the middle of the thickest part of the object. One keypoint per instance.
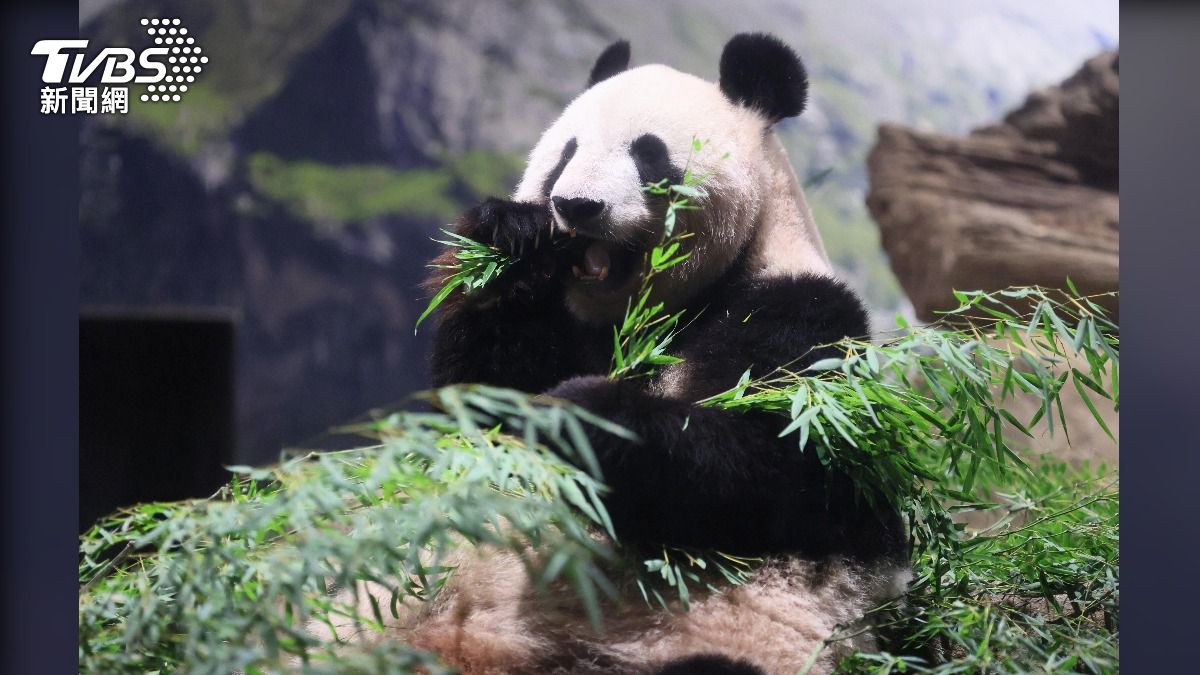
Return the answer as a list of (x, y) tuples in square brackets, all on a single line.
[(453, 283), (1092, 408)]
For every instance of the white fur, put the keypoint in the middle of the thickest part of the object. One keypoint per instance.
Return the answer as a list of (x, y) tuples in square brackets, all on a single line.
[(754, 198), (492, 620)]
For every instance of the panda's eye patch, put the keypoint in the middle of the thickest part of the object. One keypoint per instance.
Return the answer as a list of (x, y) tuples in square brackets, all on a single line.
[(653, 163), (567, 153)]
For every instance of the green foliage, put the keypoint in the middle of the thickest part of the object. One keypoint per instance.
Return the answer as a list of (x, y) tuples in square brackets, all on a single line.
[(1036, 591), (921, 419), (640, 343), (675, 567), (333, 195), (477, 265), (927, 406), (485, 173), (204, 116), (341, 194), (229, 583)]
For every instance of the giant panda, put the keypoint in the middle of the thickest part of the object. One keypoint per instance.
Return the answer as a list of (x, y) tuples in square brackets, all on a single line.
[(759, 293)]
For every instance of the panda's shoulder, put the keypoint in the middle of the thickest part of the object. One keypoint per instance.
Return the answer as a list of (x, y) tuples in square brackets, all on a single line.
[(806, 289), (814, 300)]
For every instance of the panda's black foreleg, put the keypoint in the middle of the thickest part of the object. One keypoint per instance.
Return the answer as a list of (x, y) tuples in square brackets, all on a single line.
[(710, 478), (502, 334)]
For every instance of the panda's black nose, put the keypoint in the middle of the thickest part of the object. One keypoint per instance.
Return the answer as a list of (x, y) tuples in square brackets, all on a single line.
[(577, 210)]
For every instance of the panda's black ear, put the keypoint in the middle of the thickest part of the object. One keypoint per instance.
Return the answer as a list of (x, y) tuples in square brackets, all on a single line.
[(613, 60), (760, 72)]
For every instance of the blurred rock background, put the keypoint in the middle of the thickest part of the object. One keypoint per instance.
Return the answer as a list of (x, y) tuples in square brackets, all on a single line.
[(1030, 200), (298, 184)]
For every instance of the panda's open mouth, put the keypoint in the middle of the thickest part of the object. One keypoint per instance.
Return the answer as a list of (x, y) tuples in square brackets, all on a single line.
[(602, 262)]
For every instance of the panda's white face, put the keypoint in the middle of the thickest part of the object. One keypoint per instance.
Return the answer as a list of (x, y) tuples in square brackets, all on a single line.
[(636, 127)]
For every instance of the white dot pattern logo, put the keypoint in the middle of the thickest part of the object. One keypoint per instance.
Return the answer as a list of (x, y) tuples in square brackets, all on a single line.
[(169, 33)]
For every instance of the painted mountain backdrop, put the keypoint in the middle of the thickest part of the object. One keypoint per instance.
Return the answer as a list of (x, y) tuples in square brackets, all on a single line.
[(298, 184)]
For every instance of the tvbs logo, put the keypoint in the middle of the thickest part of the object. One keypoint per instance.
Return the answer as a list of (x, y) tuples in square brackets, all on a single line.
[(167, 69)]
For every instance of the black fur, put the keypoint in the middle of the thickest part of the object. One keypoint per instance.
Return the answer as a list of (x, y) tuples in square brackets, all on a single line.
[(760, 72), (490, 335), (511, 226), (762, 324), (709, 664), (653, 163), (711, 478), (567, 153), (612, 61), (698, 476)]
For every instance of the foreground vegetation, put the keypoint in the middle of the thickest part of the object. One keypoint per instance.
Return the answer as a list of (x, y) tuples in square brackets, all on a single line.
[(923, 417), (227, 583)]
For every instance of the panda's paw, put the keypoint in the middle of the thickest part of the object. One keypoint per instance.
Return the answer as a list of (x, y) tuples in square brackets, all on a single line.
[(594, 393), (606, 399), (519, 229)]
